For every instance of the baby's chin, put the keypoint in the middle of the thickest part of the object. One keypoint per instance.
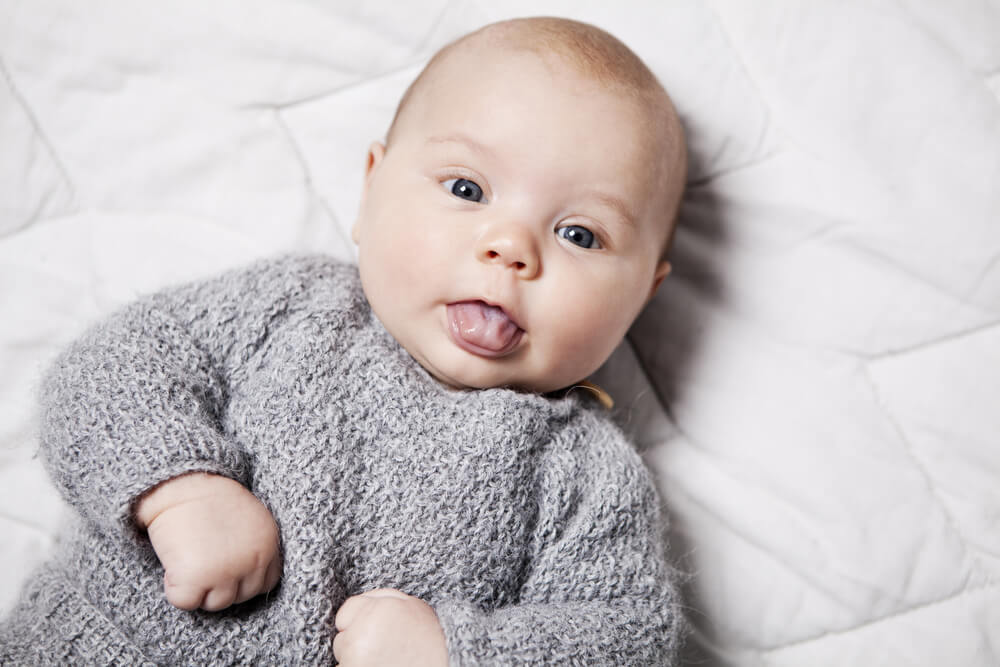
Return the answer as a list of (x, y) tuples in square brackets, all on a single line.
[(473, 374), (465, 379)]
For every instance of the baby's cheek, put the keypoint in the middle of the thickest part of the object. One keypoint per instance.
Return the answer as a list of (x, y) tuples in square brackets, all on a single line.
[(575, 348)]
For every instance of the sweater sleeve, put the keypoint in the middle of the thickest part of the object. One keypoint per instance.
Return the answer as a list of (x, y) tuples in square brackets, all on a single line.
[(141, 397), (598, 589)]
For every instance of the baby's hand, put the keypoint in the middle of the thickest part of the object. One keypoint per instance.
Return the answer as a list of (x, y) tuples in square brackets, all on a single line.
[(217, 542), (388, 627)]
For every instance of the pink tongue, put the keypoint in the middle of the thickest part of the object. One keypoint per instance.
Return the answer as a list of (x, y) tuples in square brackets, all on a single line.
[(485, 326)]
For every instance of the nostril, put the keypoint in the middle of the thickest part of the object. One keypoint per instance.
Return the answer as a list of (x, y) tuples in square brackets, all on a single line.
[(519, 265), (492, 254)]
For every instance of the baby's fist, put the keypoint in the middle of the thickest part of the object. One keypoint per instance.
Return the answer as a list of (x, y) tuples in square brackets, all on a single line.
[(217, 542), (388, 627)]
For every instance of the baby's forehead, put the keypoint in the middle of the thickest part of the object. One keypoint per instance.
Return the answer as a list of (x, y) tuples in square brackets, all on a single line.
[(642, 118), (482, 59), (570, 52)]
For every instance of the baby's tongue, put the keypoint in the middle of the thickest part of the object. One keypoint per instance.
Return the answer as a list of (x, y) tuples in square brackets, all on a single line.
[(482, 325)]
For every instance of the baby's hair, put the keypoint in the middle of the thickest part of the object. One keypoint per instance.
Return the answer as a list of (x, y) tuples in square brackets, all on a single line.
[(596, 55)]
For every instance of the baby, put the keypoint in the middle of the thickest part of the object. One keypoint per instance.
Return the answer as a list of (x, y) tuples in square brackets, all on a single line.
[(398, 443)]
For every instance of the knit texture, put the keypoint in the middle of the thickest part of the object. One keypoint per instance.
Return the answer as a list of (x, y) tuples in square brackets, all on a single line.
[(527, 522)]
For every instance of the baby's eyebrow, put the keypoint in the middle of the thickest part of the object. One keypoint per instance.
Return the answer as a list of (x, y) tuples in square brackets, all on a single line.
[(463, 139), (625, 211)]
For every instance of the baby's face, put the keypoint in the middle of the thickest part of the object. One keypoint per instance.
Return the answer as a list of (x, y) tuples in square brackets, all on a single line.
[(512, 230)]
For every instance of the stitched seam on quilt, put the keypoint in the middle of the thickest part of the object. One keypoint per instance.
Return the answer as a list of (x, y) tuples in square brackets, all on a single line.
[(769, 115), (37, 528), (992, 82), (309, 179), (817, 582), (356, 83), (970, 551), (887, 618), (947, 338), (36, 125)]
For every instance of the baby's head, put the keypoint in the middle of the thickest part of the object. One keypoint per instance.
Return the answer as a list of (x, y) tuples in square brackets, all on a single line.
[(515, 221)]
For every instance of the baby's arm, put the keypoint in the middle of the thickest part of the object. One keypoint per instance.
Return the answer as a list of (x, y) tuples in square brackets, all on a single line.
[(142, 398), (598, 587), (217, 542)]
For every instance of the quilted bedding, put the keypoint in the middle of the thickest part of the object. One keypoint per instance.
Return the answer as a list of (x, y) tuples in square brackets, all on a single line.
[(817, 386)]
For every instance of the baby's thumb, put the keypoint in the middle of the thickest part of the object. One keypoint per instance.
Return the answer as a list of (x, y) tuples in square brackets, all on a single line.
[(356, 605), (349, 611), (385, 593)]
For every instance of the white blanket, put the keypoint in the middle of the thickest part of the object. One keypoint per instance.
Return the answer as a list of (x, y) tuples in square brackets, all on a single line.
[(817, 385)]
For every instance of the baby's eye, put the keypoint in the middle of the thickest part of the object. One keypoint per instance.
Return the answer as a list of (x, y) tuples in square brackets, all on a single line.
[(580, 236), (463, 188)]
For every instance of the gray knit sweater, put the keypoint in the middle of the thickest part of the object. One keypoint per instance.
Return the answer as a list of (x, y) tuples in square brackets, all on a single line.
[(527, 522)]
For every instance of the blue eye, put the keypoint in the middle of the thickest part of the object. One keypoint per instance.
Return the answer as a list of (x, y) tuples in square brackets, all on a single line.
[(465, 189), (580, 236)]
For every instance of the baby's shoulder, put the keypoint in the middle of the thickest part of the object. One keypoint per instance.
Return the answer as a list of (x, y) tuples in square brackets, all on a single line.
[(590, 430), (311, 280), (306, 269), (599, 451), (286, 274), (594, 473)]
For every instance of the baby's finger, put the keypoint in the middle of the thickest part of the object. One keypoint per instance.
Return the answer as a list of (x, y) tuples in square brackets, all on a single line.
[(250, 587), (182, 596), (220, 597), (273, 574), (349, 611), (259, 581), (342, 648)]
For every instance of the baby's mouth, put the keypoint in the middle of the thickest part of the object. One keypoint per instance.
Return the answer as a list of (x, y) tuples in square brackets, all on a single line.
[(482, 329)]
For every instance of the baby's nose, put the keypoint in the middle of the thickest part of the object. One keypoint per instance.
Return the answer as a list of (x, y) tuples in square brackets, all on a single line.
[(512, 248)]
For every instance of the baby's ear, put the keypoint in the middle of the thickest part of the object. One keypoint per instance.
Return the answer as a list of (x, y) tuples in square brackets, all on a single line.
[(662, 271), (375, 154)]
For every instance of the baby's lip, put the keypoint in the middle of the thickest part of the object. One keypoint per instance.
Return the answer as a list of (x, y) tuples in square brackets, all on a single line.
[(503, 309), (483, 328)]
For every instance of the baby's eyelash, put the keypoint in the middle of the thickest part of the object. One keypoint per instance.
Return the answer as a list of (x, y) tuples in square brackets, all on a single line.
[(449, 179)]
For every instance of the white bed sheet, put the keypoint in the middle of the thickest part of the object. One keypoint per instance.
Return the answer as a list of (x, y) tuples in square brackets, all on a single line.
[(817, 386)]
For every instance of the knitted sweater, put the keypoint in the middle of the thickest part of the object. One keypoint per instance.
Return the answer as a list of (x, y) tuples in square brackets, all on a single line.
[(528, 523)]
